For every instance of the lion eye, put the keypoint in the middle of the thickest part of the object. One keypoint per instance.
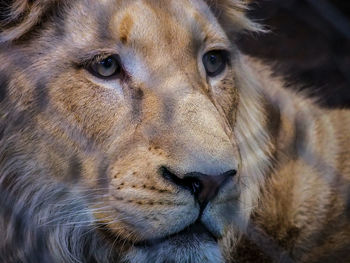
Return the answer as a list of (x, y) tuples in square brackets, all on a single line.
[(215, 62), (106, 68)]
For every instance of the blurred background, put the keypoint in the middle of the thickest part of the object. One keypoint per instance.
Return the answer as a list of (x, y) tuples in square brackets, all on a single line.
[(309, 43)]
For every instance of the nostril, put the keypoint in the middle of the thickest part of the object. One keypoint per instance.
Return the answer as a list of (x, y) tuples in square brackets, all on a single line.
[(193, 184), (204, 187), (170, 176), (166, 173), (196, 187), (190, 183)]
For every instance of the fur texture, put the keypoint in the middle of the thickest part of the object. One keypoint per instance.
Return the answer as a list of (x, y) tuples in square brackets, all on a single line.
[(81, 155)]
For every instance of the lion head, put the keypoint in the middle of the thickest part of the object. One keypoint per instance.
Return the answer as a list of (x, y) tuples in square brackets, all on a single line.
[(136, 107)]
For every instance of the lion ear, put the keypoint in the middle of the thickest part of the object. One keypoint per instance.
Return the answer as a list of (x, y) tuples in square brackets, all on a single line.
[(232, 15), (17, 17)]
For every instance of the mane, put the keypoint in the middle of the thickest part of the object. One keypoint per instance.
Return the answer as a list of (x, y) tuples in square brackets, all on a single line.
[(18, 17), (43, 220), (232, 16)]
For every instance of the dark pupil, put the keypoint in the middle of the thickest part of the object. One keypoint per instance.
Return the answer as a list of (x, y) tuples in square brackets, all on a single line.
[(213, 59), (107, 63), (214, 62)]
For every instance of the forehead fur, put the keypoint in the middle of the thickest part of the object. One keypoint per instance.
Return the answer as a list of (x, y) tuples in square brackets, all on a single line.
[(19, 17)]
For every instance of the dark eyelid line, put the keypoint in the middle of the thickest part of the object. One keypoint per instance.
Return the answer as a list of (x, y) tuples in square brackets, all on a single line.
[(92, 57), (90, 61), (227, 51)]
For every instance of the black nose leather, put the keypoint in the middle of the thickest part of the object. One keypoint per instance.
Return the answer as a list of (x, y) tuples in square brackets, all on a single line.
[(204, 187)]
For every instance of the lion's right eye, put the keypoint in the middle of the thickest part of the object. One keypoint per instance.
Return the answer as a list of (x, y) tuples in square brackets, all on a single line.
[(106, 68), (215, 62)]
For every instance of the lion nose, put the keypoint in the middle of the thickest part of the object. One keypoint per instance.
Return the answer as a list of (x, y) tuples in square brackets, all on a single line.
[(204, 187)]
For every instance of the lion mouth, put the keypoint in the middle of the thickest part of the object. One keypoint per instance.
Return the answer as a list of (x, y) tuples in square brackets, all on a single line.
[(195, 231)]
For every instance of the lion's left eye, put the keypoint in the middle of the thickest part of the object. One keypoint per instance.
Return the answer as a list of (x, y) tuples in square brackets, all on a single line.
[(215, 62), (106, 68)]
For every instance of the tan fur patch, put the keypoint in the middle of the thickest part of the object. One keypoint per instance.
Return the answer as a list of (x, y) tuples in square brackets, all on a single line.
[(125, 27)]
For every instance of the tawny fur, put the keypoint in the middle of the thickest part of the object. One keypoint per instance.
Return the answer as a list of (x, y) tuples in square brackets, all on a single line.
[(80, 156)]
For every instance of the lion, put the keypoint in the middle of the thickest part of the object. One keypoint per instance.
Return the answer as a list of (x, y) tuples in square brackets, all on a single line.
[(136, 131)]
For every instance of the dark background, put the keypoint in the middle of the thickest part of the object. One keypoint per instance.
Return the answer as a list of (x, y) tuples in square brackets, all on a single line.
[(309, 43)]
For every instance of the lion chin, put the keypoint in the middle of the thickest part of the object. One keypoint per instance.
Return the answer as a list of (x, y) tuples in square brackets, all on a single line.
[(194, 244)]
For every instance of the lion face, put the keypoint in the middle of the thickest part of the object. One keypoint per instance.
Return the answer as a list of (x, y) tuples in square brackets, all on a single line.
[(142, 94)]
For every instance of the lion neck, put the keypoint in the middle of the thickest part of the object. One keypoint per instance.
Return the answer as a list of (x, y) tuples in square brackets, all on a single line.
[(283, 139)]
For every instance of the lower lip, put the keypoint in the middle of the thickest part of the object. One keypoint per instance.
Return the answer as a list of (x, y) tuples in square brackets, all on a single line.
[(196, 230)]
